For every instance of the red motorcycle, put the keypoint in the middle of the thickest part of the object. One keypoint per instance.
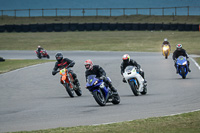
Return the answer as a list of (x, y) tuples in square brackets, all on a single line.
[(42, 54)]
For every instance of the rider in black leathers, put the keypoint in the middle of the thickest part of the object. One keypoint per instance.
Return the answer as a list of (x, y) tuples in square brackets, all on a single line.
[(64, 63), (99, 72), (39, 49), (129, 62), (180, 52)]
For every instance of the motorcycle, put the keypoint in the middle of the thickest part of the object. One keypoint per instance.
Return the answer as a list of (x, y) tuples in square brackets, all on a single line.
[(42, 54), (182, 66), (68, 82), (166, 51), (100, 91), (135, 80)]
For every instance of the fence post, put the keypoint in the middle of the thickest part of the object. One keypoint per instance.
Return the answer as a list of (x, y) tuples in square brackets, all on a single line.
[(110, 12), (150, 11), (123, 11), (96, 12), (83, 11), (15, 13), (175, 11), (136, 11), (188, 10), (56, 12), (42, 12), (163, 12), (70, 12), (29, 12), (2, 14)]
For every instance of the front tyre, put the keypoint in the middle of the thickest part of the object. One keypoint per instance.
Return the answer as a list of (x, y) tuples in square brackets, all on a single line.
[(99, 98), (134, 88), (69, 90), (183, 72)]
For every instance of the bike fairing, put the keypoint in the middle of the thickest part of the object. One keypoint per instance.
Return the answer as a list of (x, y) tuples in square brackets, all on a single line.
[(182, 66)]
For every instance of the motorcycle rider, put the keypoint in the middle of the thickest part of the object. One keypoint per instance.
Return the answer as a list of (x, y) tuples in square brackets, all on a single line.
[(180, 52), (39, 48), (99, 72), (166, 42), (129, 62), (64, 63)]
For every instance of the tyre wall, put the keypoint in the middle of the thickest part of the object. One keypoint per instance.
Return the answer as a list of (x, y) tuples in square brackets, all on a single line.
[(59, 27)]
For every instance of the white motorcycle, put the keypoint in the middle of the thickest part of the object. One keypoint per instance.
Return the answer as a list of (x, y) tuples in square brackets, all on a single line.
[(135, 80)]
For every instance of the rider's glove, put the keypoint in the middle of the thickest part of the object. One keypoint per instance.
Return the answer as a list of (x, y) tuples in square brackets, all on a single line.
[(102, 77)]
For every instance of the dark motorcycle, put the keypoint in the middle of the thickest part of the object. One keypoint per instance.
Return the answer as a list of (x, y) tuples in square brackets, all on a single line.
[(42, 54), (101, 92)]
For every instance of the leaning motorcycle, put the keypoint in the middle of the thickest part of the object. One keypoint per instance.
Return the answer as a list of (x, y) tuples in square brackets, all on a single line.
[(166, 51), (68, 82), (100, 91), (42, 54), (182, 66), (135, 80)]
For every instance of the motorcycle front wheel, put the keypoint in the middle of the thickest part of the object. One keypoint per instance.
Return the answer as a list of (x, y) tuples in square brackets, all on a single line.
[(99, 98), (69, 90), (183, 73), (134, 88)]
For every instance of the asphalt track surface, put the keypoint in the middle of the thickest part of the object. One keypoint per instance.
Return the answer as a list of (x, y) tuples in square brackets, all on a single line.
[(31, 98)]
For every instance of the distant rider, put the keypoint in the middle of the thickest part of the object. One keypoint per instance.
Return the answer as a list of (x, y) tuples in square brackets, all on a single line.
[(129, 62), (64, 63), (180, 52), (39, 49), (99, 72), (166, 42)]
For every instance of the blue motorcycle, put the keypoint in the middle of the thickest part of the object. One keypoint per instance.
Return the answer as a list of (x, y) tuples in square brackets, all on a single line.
[(100, 91), (182, 66)]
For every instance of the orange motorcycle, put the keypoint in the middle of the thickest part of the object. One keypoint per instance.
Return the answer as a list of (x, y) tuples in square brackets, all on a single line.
[(166, 50), (68, 82)]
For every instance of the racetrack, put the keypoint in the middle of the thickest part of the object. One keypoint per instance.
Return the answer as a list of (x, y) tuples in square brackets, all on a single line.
[(31, 98)]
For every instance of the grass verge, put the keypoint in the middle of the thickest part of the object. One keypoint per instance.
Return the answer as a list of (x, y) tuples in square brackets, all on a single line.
[(183, 123), (12, 64), (146, 41)]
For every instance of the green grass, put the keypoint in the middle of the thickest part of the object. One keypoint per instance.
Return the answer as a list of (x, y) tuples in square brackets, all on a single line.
[(11, 64), (102, 19), (101, 41), (184, 123)]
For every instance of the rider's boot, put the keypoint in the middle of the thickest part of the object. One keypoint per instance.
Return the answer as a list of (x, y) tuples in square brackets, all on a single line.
[(145, 83), (189, 69)]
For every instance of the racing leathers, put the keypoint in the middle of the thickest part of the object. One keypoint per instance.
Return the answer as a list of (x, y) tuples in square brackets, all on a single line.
[(131, 63), (178, 53), (101, 74), (65, 63)]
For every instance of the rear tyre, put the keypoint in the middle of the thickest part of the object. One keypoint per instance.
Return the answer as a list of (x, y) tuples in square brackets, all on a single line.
[(99, 98), (48, 56), (134, 88), (69, 90), (78, 91)]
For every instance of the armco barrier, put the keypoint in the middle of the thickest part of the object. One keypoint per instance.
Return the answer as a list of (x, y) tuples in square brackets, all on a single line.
[(97, 27), (2, 28)]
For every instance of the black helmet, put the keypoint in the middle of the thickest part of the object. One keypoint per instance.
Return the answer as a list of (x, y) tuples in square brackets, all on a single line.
[(59, 56)]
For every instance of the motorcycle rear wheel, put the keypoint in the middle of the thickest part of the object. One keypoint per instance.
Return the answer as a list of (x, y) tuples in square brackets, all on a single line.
[(116, 99), (99, 98), (134, 88), (78, 91)]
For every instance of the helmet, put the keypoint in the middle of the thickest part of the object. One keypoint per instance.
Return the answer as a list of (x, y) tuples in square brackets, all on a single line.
[(179, 46), (165, 39), (126, 58), (39, 46), (59, 56), (88, 64)]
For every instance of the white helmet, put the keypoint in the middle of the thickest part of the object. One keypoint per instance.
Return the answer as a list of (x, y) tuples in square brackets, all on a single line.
[(165, 39)]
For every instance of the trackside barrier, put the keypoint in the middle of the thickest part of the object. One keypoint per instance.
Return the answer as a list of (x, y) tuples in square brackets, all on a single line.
[(58, 27)]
